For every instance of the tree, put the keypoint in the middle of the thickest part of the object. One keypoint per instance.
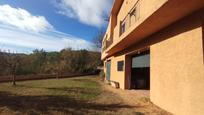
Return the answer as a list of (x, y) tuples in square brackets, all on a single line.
[(98, 39), (94, 60), (27, 62), (106, 17), (51, 63), (39, 60), (60, 68), (82, 61), (2, 63), (12, 62), (65, 62)]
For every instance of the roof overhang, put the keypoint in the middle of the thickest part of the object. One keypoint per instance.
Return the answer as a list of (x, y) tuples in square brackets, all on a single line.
[(116, 6)]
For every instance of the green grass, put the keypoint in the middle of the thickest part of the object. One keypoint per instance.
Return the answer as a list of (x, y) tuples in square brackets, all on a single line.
[(48, 96), (79, 88), (81, 95), (74, 88)]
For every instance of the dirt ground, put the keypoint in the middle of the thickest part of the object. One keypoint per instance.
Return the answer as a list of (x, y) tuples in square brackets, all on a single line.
[(138, 100)]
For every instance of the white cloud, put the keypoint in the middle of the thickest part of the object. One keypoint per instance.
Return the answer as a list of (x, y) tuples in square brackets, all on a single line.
[(23, 20), (20, 41), (89, 12), (22, 32)]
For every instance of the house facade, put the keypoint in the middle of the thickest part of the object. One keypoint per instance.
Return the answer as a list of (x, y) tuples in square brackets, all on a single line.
[(158, 45)]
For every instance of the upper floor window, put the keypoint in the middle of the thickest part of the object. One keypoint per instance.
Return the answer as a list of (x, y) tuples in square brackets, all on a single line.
[(130, 19), (122, 27), (133, 16)]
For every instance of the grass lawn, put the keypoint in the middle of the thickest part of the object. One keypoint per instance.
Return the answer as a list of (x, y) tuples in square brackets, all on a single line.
[(82, 95)]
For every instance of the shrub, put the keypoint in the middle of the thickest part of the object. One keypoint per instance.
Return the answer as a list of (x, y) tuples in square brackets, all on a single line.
[(102, 75)]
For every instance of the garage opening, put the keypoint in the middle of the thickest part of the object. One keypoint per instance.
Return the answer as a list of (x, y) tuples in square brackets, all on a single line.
[(140, 71)]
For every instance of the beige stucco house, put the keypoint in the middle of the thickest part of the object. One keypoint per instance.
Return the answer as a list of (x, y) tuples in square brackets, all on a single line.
[(158, 45)]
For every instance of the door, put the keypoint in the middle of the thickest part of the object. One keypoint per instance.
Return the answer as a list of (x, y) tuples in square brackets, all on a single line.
[(108, 70), (140, 77)]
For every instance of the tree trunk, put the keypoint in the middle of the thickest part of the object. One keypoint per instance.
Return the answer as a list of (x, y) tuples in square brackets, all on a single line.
[(57, 75), (14, 79)]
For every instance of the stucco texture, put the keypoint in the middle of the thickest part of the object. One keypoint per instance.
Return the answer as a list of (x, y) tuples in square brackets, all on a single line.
[(176, 51), (177, 69), (116, 75)]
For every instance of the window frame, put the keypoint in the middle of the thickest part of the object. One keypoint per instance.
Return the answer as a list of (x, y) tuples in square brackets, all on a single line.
[(122, 27), (120, 65), (133, 13)]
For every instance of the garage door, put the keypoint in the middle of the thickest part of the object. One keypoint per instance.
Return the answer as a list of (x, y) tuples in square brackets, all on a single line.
[(140, 77), (141, 61)]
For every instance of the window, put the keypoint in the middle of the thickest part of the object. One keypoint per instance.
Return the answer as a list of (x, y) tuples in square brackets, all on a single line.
[(130, 18), (120, 65), (133, 17), (122, 27)]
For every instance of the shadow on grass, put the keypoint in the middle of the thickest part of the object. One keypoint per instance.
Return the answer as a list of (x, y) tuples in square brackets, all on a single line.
[(47, 104), (80, 91)]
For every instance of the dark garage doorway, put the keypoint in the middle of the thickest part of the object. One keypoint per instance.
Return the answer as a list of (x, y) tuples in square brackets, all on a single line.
[(140, 71)]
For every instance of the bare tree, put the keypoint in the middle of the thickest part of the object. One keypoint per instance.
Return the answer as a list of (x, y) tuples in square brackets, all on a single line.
[(1, 63), (97, 40), (106, 17), (12, 62)]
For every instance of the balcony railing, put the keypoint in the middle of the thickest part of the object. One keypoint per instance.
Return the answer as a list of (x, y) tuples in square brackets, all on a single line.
[(107, 43), (130, 19)]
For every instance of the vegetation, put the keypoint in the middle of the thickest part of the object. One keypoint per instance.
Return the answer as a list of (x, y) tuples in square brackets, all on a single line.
[(102, 75), (40, 62), (11, 62), (78, 88), (63, 63), (80, 95), (98, 39)]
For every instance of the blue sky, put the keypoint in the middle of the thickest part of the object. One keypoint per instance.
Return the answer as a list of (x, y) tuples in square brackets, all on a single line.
[(26, 25)]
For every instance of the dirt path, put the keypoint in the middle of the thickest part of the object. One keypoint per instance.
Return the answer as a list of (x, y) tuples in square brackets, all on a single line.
[(137, 99)]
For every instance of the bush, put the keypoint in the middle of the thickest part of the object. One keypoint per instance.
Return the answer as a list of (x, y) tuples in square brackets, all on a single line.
[(102, 75)]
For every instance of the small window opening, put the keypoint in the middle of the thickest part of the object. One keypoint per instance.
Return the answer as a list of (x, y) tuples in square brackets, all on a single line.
[(120, 65)]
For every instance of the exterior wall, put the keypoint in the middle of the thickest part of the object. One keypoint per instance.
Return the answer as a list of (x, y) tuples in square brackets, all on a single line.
[(146, 8), (176, 57), (177, 69), (117, 76), (176, 66)]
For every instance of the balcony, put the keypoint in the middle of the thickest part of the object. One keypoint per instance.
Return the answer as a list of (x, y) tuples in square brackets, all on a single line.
[(107, 43), (153, 16), (131, 18)]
